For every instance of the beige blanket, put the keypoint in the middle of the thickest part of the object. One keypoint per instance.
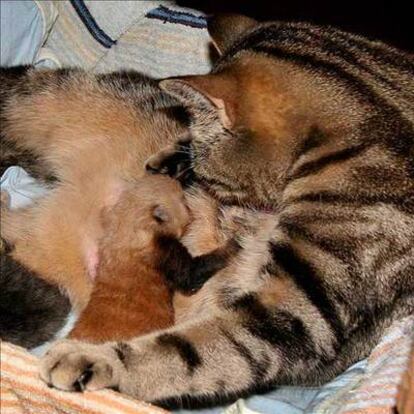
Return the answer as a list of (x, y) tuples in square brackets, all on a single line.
[(22, 391)]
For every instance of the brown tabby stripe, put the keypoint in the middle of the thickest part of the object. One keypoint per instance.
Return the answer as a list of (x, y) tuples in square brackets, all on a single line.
[(364, 92), (320, 39), (381, 52), (279, 328), (258, 368), (343, 250), (385, 55), (286, 37), (123, 352), (326, 40), (402, 203), (320, 215), (314, 140), (314, 166), (184, 348), (215, 182), (151, 97), (307, 279)]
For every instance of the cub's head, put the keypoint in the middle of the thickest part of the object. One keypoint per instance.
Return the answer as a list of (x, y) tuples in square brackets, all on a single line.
[(151, 206), (263, 103), (132, 218)]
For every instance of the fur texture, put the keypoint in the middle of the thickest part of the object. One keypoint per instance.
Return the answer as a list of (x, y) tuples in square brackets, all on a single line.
[(32, 310), (310, 130)]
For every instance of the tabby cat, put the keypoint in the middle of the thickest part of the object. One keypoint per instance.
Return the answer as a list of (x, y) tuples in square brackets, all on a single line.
[(313, 128)]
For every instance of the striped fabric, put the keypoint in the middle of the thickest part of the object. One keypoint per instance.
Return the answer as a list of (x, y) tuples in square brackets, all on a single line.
[(372, 391), (22, 392), (154, 37), (375, 392), (405, 398)]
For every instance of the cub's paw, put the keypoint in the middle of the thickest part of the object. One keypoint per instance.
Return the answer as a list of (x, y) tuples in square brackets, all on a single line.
[(77, 366)]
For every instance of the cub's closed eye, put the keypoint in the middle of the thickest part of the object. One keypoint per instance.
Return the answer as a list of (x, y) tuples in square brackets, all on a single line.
[(160, 214)]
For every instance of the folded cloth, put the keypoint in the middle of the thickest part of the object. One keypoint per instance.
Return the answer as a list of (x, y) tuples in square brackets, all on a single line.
[(21, 187), (157, 38), (23, 392), (375, 392), (21, 32), (405, 399)]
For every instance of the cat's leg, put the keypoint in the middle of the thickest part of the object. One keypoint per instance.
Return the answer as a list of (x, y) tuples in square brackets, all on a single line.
[(245, 348)]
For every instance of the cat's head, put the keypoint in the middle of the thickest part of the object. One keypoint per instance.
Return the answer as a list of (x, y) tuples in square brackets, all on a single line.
[(252, 115)]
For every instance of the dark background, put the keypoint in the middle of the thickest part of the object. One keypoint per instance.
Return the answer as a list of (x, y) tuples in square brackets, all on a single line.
[(390, 21)]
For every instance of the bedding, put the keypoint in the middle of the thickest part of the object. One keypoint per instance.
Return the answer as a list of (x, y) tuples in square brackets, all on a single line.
[(21, 32), (155, 37), (22, 391)]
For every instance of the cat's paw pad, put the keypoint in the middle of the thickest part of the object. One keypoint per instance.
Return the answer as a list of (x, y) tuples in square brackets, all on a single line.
[(75, 366)]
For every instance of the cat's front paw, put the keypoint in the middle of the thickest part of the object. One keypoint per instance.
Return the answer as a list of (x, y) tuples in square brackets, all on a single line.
[(77, 366)]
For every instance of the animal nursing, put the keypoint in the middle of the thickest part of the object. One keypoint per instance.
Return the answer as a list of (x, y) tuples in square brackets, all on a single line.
[(300, 149)]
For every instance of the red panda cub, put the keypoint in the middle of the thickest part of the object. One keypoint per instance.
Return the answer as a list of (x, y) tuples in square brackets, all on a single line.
[(130, 296)]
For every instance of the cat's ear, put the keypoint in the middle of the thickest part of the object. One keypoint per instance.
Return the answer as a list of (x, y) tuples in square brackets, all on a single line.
[(206, 97), (225, 29)]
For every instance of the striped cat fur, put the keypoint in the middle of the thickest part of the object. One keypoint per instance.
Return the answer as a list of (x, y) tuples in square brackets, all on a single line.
[(309, 130)]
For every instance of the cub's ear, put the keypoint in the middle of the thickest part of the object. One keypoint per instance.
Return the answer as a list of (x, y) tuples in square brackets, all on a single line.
[(207, 97), (225, 29)]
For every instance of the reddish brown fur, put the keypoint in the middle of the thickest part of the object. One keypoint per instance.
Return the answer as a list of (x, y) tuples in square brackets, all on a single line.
[(130, 297)]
